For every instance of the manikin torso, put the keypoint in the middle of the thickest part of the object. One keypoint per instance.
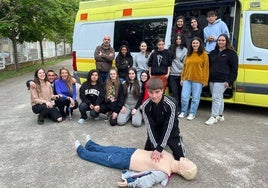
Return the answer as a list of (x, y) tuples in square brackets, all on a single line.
[(141, 161)]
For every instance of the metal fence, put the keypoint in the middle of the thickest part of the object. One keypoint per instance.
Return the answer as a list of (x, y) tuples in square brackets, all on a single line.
[(30, 51)]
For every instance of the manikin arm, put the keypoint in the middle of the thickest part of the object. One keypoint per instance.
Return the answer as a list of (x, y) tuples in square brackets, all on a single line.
[(143, 179)]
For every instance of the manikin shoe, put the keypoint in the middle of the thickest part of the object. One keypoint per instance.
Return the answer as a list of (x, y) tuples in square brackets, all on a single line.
[(187, 169), (77, 144), (87, 138)]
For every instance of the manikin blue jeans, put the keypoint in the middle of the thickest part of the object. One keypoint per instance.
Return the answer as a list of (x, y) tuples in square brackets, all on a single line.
[(188, 88), (110, 156)]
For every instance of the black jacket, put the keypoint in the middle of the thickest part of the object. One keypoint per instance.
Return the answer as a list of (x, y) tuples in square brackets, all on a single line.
[(122, 65), (91, 94), (161, 121), (223, 66)]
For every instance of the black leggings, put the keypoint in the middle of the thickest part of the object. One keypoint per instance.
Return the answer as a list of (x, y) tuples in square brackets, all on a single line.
[(44, 111), (61, 103)]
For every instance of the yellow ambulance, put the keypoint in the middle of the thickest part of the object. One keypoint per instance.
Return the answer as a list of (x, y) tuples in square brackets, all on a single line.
[(146, 20)]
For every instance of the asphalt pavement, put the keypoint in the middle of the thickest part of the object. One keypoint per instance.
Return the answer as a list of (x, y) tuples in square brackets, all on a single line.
[(230, 154)]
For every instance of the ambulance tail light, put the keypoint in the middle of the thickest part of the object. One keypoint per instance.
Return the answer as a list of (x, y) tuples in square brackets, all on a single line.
[(74, 61)]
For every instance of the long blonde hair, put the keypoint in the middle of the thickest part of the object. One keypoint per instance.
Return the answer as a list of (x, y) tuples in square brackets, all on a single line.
[(109, 83), (69, 81)]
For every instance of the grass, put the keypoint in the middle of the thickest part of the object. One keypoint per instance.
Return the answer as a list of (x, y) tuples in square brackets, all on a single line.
[(7, 74)]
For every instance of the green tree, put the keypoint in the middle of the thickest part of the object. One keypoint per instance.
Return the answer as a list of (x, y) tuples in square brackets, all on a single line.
[(33, 21), (11, 16), (51, 20), (63, 28)]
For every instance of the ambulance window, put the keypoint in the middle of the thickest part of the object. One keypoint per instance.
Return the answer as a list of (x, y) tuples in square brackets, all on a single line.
[(259, 30), (132, 32)]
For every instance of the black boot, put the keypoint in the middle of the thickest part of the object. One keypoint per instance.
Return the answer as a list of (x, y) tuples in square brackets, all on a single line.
[(40, 120)]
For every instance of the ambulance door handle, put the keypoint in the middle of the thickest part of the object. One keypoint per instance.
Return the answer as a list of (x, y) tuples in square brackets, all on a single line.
[(255, 58)]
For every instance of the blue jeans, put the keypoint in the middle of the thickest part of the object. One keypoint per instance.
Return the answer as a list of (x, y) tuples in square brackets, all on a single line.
[(188, 88), (109, 156), (83, 108)]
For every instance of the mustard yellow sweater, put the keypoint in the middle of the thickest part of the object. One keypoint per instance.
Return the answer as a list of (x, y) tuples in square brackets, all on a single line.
[(196, 68)]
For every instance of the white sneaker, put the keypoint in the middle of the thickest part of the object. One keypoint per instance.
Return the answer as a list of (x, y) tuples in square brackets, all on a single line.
[(77, 144), (211, 121), (190, 117), (220, 118), (81, 121), (181, 115)]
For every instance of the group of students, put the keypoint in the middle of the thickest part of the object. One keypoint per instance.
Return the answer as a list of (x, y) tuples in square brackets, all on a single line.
[(52, 96), (196, 58), (120, 91), (135, 90), (119, 101), (160, 116), (210, 60), (56, 98)]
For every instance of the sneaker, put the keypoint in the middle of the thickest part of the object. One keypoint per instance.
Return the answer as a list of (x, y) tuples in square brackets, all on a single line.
[(190, 117), (81, 121), (220, 118), (77, 144), (97, 118), (181, 115), (211, 121)]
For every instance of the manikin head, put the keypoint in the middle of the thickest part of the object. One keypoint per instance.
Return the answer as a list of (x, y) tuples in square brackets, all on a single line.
[(186, 168)]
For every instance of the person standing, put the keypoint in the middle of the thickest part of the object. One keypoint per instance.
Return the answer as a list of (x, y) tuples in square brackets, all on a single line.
[(180, 27), (177, 52), (194, 77), (123, 61), (223, 66), (66, 89), (41, 98), (160, 113), (212, 31), (104, 56), (132, 101), (160, 62), (91, 95), (195, 31), (140, 61)]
